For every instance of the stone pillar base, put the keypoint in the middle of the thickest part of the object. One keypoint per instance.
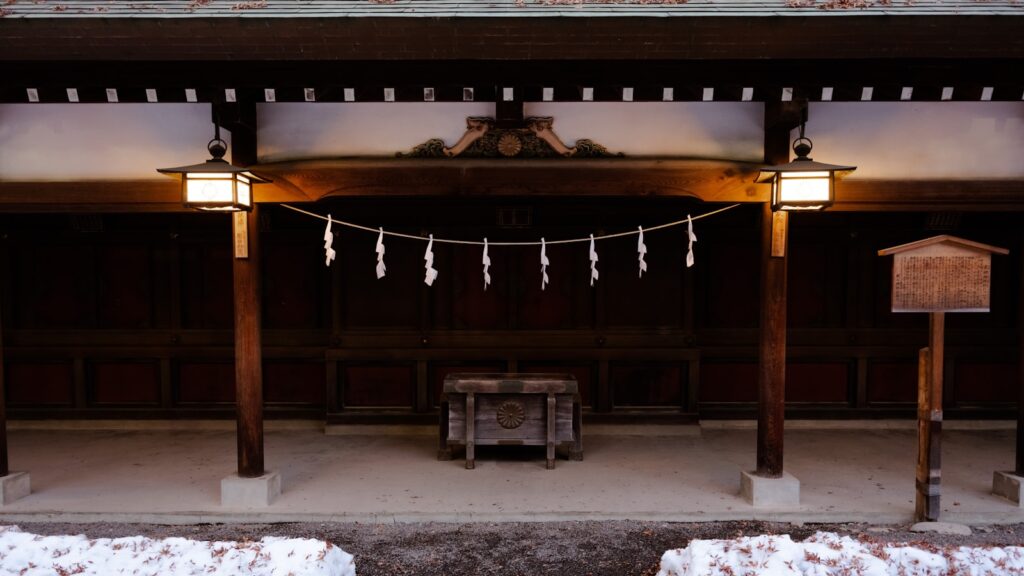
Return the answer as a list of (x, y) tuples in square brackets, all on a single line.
[(764, 492), (259, 492), (14, 486), (1009, 486)]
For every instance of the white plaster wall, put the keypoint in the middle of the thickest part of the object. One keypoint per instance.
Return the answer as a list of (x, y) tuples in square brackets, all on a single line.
[(920, 140), (726, 130), (55, 142), (293, 130), (732, 130)]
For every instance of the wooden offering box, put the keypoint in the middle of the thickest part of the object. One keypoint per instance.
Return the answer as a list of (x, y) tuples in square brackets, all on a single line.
[(510, 410)]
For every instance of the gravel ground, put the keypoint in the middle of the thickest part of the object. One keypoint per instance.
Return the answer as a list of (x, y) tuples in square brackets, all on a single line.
[(565, 548)]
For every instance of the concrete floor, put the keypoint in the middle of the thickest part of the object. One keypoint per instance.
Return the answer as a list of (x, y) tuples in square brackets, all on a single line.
[(173, 476)]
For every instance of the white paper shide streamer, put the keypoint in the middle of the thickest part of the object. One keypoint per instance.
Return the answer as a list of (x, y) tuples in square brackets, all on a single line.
[(381, 268), (594, 274), (544, 262), (428, 259), (641, 249), (693, 238), (328, 242), (487, 265)]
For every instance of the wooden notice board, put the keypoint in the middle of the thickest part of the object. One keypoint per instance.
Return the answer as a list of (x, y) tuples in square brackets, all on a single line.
[(941, 278), (937, 275)]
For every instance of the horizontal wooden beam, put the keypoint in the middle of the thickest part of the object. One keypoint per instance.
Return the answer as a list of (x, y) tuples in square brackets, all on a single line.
[(163, 195), (929, 195), (705, 180), (710, 181)]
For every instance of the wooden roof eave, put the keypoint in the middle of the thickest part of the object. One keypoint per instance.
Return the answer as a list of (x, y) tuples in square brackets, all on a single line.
[(981, 31)]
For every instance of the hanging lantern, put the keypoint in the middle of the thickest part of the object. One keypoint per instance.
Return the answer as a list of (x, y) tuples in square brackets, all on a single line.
[(803, 184), (215, 184)]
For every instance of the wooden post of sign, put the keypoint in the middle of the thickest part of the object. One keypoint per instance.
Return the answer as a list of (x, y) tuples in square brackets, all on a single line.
[(248, 354), (929, 422)]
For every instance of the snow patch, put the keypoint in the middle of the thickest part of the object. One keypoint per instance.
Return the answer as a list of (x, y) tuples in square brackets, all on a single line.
[(826, 553), (27, 554)]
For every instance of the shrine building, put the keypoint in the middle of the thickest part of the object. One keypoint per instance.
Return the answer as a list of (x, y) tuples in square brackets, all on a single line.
[(514, 121)]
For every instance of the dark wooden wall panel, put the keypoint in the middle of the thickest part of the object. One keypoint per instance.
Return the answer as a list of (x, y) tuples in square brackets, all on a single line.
[(206, 382), (386, 386), (206, 286), (585, 375), (55, 286), (125, 284), (473, 307), (655, 299), (730, 271), (39, 383), (817, 382), (293, 278), (125, 382), (647, 384), (389, 302), (294, 382), (983, 382), (567, 301), (728, 382), (816, 283), (90, 291), (892, 382)]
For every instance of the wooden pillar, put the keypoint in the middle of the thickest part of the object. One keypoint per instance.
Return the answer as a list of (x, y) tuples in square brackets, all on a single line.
[(929, 422), (780, 118), (240, 119), (248, 353), (4, 470), (771, 375), (1019, 468)]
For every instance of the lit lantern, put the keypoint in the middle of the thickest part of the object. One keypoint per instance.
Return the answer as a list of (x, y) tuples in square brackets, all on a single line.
[(803, 184), (216, 185)]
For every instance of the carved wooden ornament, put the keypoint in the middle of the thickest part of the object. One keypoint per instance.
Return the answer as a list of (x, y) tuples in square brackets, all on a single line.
[(484, 139)]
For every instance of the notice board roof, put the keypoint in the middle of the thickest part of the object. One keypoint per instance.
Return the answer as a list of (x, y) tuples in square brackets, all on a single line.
[(943, 239)]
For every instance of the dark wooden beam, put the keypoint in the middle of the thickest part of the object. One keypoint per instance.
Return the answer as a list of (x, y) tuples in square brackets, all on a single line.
[(239, 118), (229, 40), (780, 119), (981, 195), (709, 181), (366, 80), (248, 351)]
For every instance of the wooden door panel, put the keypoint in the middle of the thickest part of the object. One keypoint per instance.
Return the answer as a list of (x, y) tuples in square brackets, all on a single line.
[(654, 300), (39, 383), (728, 381), (380, 385), (647, 384), (125, 286), (125, 382)]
